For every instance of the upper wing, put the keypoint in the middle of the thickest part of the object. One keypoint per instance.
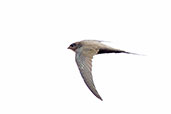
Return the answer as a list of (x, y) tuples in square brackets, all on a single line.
[(84, 62)]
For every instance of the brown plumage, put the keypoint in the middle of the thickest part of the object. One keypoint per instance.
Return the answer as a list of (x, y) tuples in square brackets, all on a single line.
[(85, 50)]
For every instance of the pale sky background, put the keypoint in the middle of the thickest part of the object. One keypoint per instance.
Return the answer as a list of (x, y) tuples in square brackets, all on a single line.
[(38, 74)]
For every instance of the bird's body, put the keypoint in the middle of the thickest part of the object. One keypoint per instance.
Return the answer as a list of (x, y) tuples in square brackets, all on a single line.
[(85, 50)]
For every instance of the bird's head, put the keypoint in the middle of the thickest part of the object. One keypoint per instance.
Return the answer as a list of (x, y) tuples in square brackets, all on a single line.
[(74, 46)]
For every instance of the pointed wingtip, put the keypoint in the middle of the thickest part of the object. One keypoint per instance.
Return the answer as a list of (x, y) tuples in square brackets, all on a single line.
[(101, 99), (134, 53)]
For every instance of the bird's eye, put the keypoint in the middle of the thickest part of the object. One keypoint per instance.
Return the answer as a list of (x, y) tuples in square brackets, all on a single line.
[(73, 45)]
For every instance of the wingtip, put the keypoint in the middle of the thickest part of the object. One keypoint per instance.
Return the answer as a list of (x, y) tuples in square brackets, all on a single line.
[(101, 99), (134, 53)]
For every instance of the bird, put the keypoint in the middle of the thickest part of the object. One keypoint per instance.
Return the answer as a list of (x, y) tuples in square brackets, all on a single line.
[(84, 52)]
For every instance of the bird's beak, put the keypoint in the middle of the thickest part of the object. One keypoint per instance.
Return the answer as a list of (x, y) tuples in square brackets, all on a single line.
[(68, 48)]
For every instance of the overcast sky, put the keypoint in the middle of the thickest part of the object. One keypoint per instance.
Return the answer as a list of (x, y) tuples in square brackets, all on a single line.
[(38, 74)]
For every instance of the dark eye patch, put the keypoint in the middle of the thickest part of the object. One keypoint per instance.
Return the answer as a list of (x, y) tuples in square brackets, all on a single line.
[(73, 45)]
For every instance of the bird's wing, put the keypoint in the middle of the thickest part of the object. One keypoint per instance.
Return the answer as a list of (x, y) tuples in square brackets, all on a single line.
[(84, 62)]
